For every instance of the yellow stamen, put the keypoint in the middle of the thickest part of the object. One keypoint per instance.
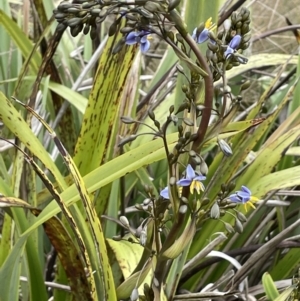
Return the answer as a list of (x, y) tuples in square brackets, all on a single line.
[(196, 185), (209, 24), (254, 199)]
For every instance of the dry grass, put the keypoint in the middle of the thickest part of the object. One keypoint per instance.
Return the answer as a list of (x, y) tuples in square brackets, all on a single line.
[(270, 14)]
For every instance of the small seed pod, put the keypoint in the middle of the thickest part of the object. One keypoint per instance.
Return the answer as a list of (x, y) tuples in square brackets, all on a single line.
[(182, 107), (60, 16), (127, 140), (246, 38), (209, 54), (89, 4), (173, 4), (65, 5), (239, 24), (245, 85), (228, 227), (171, 35), (238, 226), (229, 66), (127, 120), (241, 217), (145, 13), (126, 30), (131, 17), (205, 202), (151, 115), (180, 129), (86, 29), (194, 137), (76, 30), (74, 22), (73, 10), (93, 32), (213, 47), (223, 187), (187, 135), (61, 27), (231, 186), (112, 29), (182, 140), (152, 6), (245, 14), (233, 18)]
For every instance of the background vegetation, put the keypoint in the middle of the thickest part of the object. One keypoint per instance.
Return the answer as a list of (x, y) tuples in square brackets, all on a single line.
[(81, 213)]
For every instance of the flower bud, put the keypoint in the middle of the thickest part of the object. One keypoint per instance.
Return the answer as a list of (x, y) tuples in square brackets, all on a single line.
[(227, 24), (215, 211), (225, 148), (229, 228), (124, 221), (238, 226), (134, 295)]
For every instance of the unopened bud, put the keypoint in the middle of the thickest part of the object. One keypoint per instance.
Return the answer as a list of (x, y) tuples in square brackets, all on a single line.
[(134, 294), (238, 226), (124, 221), (225, 148), (228, 227), (215, 211)]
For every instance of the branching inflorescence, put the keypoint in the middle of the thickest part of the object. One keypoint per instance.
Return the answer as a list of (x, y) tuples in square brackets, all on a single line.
[(137, 20)]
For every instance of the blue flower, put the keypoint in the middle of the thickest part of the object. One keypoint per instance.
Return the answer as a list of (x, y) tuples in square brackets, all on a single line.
[(204, 34), (233, 45), (165, 193), (192, 180), (243, 196), (140, 37)]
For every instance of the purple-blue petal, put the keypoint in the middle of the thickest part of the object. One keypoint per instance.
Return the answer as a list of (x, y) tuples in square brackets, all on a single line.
[(228, 51), (165, 193), (235, 42), (199, 178), (246, 189), (190, 173), (143, 39), (144, 32), (203, 36), (244, 196), (145, 46), (132, 38), (184, 182), (194, 35), (234, 198)]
